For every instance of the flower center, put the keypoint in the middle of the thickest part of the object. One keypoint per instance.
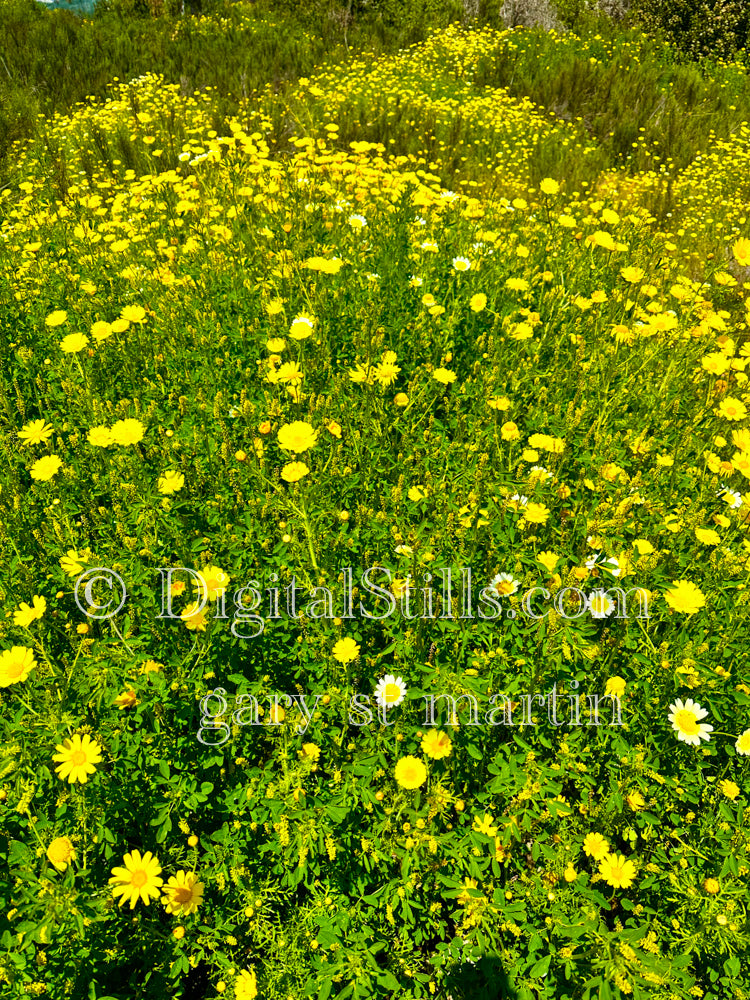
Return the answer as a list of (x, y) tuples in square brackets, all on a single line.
[(15, 669), (392, 693), (182, 894), (138, 878), (687, 722), (77, 758)]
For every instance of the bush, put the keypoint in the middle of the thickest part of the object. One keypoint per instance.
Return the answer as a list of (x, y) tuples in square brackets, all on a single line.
[(703, 28)]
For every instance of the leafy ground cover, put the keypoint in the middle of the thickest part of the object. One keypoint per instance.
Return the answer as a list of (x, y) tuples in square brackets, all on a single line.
[(394, 315)]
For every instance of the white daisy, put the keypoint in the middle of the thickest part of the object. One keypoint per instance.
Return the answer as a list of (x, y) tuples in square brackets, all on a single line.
[(599, 604), (390, 691), (685, 719), (731, 498), (505, 584), (461, 263)]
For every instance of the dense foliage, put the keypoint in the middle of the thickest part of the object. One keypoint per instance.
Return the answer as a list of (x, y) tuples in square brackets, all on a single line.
[(394, 311)]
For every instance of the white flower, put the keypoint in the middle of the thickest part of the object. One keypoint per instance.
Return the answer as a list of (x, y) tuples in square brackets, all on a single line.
[(404, 550), (428, 246), (731, 498), (519, 499), (390, 691), (415, 282), (357, 221), (505, 584), (685, 719), (599, 604), (610, 564), (419, 221), (461, 263)]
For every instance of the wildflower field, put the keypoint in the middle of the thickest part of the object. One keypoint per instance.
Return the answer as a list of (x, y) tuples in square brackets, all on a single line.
[(375, 529)]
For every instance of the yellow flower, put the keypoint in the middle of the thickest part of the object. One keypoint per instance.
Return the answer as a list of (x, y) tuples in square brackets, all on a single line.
[(194, 619), (742, 744), (711, 885), (444, 376), (417, 493), (509, 431), (333, 427), (302, 327), (632, 274), (246, 987), (410, 772), (133, 314), (643, 547), (595, 846), (484, 825), (464, 898), (297, 436), (72, 562), (170, 482), (615, 686), (183, 893), (73, 343), (126, 699), (310, 751), (732, 409), (549, 186), (617, 871), (346, 650), (685, 597), (436, 744), (707, 536), (56, 318), (45, 468), (126, 432), (78, 758), (570, 874), (549, 560), (101, 330), (741, 251), (25, 615), (138, 879), (536, 513), (501, 403), (100, 437), (478, 302), (16, 664), (294, 471), (215, 580), (636, 801), (60, 853), (35, 432), (730, 789)]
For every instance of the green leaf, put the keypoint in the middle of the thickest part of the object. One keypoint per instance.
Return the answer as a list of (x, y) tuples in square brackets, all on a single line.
[(539, 968), (389, 981)]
